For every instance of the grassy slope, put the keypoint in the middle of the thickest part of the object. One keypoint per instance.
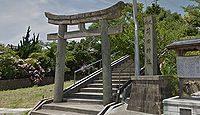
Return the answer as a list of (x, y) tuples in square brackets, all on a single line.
[(26, 97)]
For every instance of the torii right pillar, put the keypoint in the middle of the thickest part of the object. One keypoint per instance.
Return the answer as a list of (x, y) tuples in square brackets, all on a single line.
[(106, 63)]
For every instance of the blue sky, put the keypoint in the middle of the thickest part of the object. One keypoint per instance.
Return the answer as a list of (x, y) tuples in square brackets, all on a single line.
[(17, 15)]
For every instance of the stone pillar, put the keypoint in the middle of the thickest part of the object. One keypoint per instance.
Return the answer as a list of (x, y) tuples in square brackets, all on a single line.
[(60, 65), (151, 61), (180, 53), (106, 63)]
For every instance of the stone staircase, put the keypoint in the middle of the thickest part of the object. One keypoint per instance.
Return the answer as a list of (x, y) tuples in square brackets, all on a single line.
[(88, 100)]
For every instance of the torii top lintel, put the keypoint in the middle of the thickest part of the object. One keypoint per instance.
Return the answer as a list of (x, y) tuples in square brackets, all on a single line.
[(109, 13)]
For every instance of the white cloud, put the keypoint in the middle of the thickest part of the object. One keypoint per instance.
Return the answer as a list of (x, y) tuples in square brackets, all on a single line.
[(17, 15)]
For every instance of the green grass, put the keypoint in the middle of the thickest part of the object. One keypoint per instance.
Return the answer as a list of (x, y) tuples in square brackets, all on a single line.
[(26, 97)]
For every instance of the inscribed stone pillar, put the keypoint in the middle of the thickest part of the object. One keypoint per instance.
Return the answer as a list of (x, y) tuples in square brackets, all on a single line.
[(60, 65), (106, 63), (151, 62)]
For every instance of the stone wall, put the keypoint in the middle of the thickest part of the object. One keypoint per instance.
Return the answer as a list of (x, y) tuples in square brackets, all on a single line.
[(148, 92), (22, 83)]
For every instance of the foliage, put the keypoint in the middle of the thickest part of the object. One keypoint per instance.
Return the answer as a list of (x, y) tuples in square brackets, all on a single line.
[(50, 52), (192, 15), (28, 46), (44, 61), (33, 69), (11, 67), (7, 60)]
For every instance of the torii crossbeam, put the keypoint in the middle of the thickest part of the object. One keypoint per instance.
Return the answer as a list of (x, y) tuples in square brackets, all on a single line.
[(80, 19)]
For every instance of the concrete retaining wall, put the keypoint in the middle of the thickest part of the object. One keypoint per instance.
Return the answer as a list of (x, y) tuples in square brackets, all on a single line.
[(22, 83)]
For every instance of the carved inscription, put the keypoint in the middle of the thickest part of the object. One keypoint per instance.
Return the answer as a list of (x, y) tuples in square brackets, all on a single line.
[(188, 67), (150, 46)]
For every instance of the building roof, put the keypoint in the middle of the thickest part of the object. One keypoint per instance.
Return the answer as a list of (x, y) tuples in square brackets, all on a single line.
[(186, 45)]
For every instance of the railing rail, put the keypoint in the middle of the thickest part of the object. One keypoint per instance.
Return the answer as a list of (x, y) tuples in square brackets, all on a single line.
[(121, 88), (125, 88), (121, 70), (80, 83), (91, 65)]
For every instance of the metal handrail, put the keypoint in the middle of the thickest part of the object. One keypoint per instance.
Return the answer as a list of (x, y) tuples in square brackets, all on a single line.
[(74, 87), (90, 65), (127, 85), (83, 68), (40, 103), (122, 71), (119, 91)]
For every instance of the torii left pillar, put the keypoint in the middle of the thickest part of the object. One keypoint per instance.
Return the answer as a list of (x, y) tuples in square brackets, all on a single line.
[(60, 65), (106, 63)]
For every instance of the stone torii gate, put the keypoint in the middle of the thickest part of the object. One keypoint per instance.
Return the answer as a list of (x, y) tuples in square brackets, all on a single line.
[(80, 19)]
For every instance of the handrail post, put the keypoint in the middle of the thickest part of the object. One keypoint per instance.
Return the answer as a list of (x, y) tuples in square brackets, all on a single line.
[(74, 77), (100, 64), (119, 78)]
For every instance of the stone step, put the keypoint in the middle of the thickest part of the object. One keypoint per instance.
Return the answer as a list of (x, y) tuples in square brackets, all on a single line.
[(124, 71), (125, 65), (97, 90), (113, 81), (80, 108), (54, 112), (88, 95), (100, 85), (122, 74), (80, 100), (116, 77), (121, 78)]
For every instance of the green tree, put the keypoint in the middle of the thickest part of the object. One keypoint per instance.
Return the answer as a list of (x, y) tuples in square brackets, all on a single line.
[(192, 15), (28, 46), (7, 62)]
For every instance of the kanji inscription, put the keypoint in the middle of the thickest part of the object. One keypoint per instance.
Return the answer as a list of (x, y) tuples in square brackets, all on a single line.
[(151, 67)]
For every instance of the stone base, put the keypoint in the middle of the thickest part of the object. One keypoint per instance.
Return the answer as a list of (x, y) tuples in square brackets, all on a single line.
[(148, 92), (177, 106)]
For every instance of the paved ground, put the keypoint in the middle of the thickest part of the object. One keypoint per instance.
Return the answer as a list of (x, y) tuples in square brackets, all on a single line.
[(17, 111), (121, 110)]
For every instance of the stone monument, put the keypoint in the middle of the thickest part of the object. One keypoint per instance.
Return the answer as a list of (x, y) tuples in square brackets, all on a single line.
[(151, 62), (148, 91)]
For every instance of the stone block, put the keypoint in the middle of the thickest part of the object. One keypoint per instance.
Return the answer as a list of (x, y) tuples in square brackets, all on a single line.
[(174, 113), (172, 108), (166, 113), (196, 111), (147, 94)]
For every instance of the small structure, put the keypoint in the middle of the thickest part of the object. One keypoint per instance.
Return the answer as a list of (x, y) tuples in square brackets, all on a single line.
[(80, 19), (188, 68)]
